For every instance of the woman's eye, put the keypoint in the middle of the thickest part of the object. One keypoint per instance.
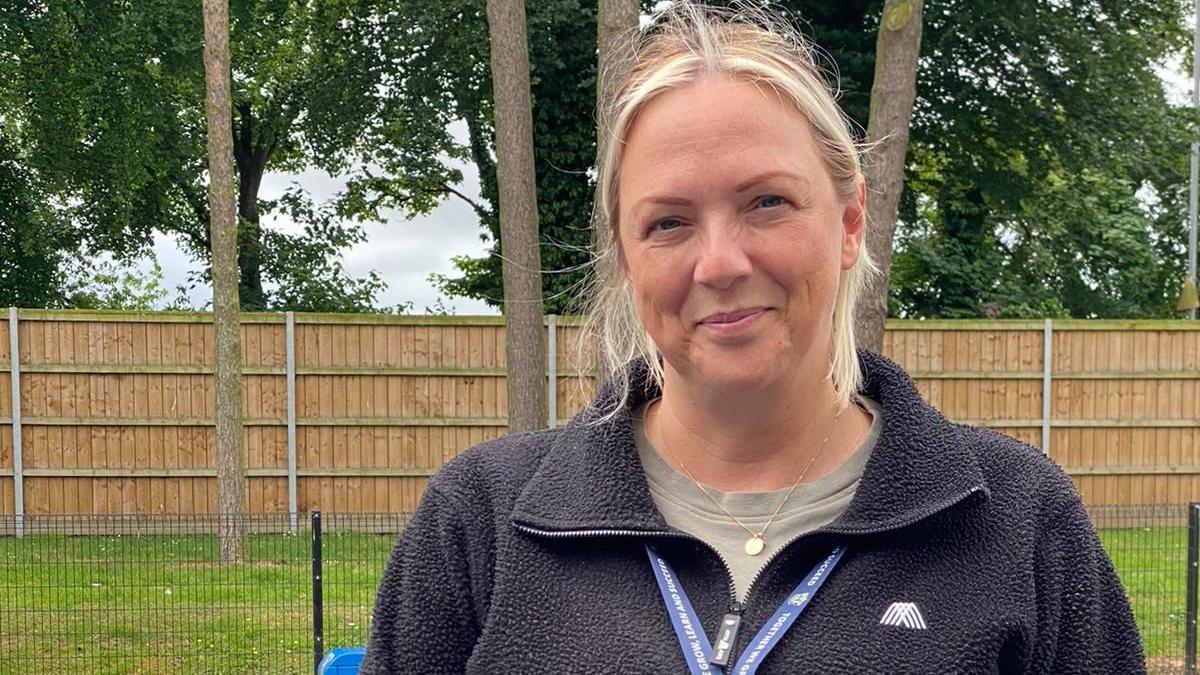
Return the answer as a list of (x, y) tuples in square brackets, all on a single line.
[(770, 201), (665, 225)]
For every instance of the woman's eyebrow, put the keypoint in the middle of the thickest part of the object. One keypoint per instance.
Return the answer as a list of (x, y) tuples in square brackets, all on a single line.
[(657, 200), (767, 175), (672, 200)]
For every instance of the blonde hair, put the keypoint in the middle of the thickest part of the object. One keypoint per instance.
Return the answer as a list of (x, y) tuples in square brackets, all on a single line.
[(685, 43)]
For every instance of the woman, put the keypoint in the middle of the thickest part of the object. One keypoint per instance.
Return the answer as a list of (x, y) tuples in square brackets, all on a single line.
[(747, 494)]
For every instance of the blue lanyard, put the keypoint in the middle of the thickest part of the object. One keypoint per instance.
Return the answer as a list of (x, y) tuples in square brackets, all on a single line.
[(694, 642)]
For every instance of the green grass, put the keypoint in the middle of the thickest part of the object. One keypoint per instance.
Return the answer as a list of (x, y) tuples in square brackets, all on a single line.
[(161, 604), (1152, 564)]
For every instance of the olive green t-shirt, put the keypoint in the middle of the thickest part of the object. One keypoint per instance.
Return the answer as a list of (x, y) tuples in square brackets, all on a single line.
[(811, 506)]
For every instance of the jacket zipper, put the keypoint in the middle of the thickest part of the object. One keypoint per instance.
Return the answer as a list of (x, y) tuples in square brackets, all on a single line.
[(736, 607)]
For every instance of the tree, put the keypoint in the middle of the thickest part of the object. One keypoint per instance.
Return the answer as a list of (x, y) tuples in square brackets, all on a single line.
[(518, 215), (106, 284), (616, 25), (616, 28), (1045, 163), (35, 267), (102, 103), (222, 208), (438, 106), (1023, 109), (892, 92), (32, 238)]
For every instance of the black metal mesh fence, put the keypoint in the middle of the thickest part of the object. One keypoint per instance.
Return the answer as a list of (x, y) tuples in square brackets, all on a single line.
[(355, 549), (149, 594), (1149, 549)]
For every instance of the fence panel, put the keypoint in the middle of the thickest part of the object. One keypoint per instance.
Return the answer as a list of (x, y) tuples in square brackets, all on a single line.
[(117, 407)]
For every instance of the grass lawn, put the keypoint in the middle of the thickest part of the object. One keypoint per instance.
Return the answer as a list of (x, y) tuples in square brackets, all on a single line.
[(161, 604), (1152, 564)]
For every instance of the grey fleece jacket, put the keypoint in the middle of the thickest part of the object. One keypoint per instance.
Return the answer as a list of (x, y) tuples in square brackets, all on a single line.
[(527, 555)]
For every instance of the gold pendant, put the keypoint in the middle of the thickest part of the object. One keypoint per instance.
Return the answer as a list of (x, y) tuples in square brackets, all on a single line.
[(754, 545)]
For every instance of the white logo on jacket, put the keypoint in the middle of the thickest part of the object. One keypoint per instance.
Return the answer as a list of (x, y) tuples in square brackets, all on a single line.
[(905, 614)]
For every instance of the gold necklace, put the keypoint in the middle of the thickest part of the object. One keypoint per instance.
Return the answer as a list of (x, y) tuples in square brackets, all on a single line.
[(757, 541)]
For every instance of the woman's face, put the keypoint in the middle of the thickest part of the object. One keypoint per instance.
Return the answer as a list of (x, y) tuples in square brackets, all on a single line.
[(731, 234)]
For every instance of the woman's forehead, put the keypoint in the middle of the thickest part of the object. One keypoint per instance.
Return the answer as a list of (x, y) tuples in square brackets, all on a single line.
[(714, 101), (735, 129)]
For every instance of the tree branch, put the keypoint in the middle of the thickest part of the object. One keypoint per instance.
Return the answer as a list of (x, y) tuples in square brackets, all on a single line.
[(479, 209), (243, 143), (199, 205)]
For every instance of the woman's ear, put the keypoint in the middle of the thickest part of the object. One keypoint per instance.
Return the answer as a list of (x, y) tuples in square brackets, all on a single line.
[(854, 222)]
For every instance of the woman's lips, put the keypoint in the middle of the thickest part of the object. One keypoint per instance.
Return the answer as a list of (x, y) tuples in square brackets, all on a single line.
[(733, 322)]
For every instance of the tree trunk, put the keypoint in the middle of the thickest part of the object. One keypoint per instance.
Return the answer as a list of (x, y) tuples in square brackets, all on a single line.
[(616, 26), (222, 205), (251, 156), (518, 215), (892, 94)]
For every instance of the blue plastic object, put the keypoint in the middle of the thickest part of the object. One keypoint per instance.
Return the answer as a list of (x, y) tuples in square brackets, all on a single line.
[(342, 661)]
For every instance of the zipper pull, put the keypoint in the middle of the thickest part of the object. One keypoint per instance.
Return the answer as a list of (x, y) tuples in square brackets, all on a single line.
[(727, 635)]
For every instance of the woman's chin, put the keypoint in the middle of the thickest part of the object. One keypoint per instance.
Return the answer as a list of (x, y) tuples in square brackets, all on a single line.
[(738, 377)]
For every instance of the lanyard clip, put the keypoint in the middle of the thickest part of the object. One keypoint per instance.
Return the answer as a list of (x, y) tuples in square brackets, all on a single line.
[(727, 636)]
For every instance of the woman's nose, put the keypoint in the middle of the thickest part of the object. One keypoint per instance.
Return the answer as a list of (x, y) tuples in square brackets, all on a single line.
[(723, 259)]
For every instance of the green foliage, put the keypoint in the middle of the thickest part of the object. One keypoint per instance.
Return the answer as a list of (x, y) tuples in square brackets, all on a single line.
[(104, 102), (106, 284), (310, 280), (1037, 127), (844, 36), (32, 237), (112, 115), (443, 76)]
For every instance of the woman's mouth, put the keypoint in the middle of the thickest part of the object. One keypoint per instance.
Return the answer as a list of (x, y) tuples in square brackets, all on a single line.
[(730, 323)]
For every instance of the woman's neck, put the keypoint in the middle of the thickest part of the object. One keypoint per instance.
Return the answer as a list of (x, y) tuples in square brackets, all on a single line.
[(759, 445)]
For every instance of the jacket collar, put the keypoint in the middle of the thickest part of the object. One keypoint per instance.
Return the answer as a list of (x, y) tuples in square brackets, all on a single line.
[(593, 480)]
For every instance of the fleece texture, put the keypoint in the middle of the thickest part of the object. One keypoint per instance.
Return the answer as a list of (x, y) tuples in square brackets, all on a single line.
[(527, 555)]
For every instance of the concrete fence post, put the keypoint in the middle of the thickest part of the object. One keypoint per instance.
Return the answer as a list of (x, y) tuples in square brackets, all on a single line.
[(14, 374), (552, 370), (1047, 382), (290, 328)]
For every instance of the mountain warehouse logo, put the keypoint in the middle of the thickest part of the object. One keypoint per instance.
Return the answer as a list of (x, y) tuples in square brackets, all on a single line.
[(904, 614), (798, 599)]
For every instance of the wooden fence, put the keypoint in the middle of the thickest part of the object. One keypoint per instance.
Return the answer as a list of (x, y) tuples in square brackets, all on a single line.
[(112, 413)]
